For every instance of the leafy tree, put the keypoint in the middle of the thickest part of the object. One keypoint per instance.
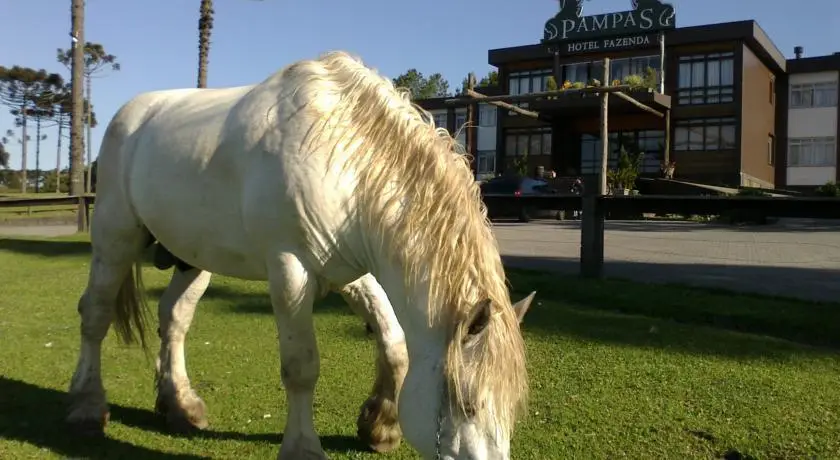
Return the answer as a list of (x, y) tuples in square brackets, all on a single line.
[(96, 62), (4, 154), (422, 87), (23, 90)]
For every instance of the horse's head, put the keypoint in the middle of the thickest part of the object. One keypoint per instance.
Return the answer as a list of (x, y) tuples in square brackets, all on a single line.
[(467, 407)]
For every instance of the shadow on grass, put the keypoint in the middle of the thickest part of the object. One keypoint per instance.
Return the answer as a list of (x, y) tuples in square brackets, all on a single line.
[(259, 303), (34, 415), (624, 311), (51, 247)]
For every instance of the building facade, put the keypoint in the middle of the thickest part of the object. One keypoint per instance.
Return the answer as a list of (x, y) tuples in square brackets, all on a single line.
[(738, 112)]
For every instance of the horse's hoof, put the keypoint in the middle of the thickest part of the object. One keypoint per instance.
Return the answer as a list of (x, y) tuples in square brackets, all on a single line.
[(88, 427), (377, 426), (188, 419), (301, 449)]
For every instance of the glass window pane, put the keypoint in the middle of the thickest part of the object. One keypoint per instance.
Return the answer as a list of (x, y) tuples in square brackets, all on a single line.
[(695, 138), (535, 144), (698, 74), (727, 72), (713, 73), (681, 138), (727, 136), (685, 75), (522, 145), (510, 145), (546, 143), (712, 138)]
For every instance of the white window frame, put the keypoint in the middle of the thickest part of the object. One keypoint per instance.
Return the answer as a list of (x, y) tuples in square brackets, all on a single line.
[(813, 95), (804, 152), (489, 158)]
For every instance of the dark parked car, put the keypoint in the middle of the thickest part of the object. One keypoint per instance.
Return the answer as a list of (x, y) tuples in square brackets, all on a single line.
[(514, 186)]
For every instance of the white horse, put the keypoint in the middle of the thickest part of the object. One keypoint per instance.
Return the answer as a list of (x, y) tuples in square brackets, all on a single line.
[(310, 179)]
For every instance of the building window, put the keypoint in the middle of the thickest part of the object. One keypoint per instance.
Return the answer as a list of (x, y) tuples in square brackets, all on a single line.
[(621, 68), (486, 115), (812, 151), (812, 95), (705, 134), (772, 90), (534, 142), (771, 150), (527, 83), (440, 120), (706, 79), (649, 142), (486, 165), (460, 120)]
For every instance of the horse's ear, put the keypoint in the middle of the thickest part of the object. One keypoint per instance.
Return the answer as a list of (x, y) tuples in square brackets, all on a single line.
[(479, 318), (523, 305)]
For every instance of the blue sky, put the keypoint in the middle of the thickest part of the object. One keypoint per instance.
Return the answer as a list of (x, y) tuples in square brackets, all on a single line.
[(156, 40)]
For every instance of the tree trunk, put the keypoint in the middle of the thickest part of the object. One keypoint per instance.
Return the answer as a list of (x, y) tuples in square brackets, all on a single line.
[(205, 26), (77, 14), (88, 119), (38, 154), (58, 154), (23, 149)]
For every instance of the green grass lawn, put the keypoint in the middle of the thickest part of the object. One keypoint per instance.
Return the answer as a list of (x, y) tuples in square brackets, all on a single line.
[(618, 370)]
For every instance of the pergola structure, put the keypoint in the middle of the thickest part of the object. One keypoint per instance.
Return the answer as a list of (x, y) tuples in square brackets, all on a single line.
[(604, 91)]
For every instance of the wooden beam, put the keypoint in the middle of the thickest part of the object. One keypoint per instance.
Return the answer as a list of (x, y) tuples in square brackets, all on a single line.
[(474, 95), (638, 104), (542, 95), (470, 122)]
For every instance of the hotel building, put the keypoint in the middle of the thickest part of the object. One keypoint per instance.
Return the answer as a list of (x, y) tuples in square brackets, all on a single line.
[(738, 112)]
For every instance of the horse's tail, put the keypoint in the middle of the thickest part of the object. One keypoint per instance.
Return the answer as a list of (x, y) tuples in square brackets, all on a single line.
[(131, 308)]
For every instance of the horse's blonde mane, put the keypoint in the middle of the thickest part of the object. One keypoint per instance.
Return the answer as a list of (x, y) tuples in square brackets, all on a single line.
[(441, 234)]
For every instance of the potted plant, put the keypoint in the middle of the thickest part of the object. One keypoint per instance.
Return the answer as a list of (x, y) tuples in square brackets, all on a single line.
[(622, 179)]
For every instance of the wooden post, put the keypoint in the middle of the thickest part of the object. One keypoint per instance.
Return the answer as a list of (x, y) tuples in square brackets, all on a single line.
[(661, 62), (592, 218), (602, 187), (470, 119), (667, 153), (82, 222), (592, 235)]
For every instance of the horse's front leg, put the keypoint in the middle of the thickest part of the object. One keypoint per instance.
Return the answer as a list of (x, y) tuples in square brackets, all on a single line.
[(293, 292), (377, 424), (183, 408)]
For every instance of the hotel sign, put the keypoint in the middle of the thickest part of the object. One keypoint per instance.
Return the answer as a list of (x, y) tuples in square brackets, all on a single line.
[(646, 16), (605, 44)]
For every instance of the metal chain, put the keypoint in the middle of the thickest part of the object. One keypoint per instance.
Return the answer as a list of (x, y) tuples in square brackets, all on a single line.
[(443, 401)]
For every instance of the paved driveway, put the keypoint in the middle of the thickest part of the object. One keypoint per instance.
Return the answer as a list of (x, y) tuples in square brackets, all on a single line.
[(795, 257)]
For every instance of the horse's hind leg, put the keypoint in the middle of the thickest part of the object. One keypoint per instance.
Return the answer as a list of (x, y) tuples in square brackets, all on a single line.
[(377, 424), (176, 399), (117, 241)]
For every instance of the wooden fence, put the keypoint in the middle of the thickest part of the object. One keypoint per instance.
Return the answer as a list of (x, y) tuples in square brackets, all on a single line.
[(595, 208)]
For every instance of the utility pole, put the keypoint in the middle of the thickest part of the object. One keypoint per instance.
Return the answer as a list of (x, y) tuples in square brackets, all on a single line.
[(77, 168)]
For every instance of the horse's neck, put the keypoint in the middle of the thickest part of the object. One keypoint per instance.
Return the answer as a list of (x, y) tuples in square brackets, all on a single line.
[(410, 303)]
